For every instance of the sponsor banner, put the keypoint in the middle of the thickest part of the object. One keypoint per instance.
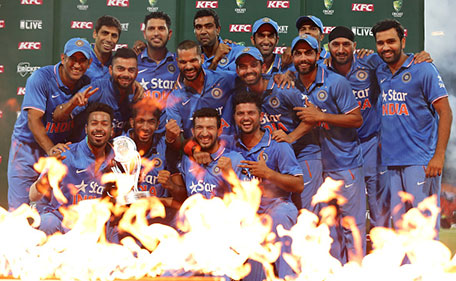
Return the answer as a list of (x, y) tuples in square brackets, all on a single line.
[(278, 4), (240, 7), (2, 23), (31, 2), (30, 24), (24, 68), (358, 7), (20, 91), (328, 5), (397, 6), (29, 46), (279, 50), (2, 68), (240, 28), (328, 29), (362, 30), (283, 28), (120, 46), (153, 7), (206, 4), (118, 3), (143, 27), (83, 5), (81, 25), (125, 26)]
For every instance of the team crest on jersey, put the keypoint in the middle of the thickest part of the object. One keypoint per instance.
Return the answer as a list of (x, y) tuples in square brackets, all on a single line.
[(216, 170), (171, 68), (223, 61), (265, 157), (274, 102), (157, 162), (406, 77), (322, 95), (361, 75), (216, 93)]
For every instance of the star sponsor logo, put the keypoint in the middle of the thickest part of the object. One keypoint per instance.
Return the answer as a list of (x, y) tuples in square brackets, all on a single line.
[(81, 25), (397, 6), (20, 91), (30, 24), (2, 24), (240, 7), (278, 4), (24, 68), (362, 31), (153, 6), (283, 29), (31, 2), (82, 5), (118, 3), (240, 28), (120, 46), (361, 7), (328, 5), (29, 46), (206, 4)]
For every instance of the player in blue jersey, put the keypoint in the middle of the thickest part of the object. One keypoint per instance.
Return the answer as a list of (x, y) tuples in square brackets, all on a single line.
[(157, 67), (197, 88), (118, 91), (281, 120), (416, 120), (265, 37), (275, 165), (208, 179), (86, 162), (35, 133), (331, 105), (106, 34), (217, 54)]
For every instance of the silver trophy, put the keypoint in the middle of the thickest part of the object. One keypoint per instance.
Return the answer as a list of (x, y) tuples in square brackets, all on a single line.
[(128, 167)]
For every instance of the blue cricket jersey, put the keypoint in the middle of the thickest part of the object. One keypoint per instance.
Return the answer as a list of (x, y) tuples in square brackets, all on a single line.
[(44, 91), (409, 121), (276, 67), (97, 70), (228, 62), (331, 92), (217, 93), (208, 179), (158, 79)]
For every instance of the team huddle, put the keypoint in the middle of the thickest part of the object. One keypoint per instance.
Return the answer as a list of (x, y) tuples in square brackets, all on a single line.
[(378, 122)]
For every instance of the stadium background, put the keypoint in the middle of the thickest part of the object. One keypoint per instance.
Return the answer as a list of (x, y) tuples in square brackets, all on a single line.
[(33, 33)]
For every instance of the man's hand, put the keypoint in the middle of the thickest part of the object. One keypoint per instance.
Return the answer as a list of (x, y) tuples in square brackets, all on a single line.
[(287, 59), (285, 79), (422, 56), (172, 131), (224, 163), (58, 149), (258, 169), (364, 52), (202, 157), (229, 41), (81, 98), (435, 166), (163, 178), (280, 136), (310, 113), (139, 46), (221, 51)]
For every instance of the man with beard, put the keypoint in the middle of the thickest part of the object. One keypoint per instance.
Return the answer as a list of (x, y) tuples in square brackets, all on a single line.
[(35, 133), (416, 120), (106, 34), (330, 104), (86, 161), (282, 122), (118, 92), (275, 165), (206, 179), (217, 55), (157, 67), (197, 88)]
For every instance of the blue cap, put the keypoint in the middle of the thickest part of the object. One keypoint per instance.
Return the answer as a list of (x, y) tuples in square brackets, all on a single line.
[(75, 45), (313, 19), (254, 52), (313, 43), (262, 21)]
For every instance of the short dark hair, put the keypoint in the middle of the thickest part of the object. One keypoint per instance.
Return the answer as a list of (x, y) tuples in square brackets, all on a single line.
[(125, 53), (243, 96), (158, 15), (107, 20), (188, 45), (207, 13), (388, 24), (147, 104), (207, 112), (98, 106)]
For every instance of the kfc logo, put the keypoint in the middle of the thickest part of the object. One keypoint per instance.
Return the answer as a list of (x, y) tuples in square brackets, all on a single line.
[(143, 27), (278, 4), (206, 4), (279, 50), (362, 7), (120, 46), (20, 91), (31, 2), (29, 46), (328, 29), (240, 28), (2, 23), (2, 68), (81, 25), (117, 3)]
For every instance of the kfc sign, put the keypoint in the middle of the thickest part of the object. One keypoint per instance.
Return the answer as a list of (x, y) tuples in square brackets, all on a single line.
[(117, 3), (20, 91), (120, 46), (206, 4), (31, 2), (2, 23), (81, 25), (2, 68), (278, 4), (328, 29), (362, 7), (240, 28), (279, 50), (29, 46)]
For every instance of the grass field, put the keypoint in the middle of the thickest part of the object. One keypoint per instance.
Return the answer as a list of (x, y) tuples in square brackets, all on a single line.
[(448, 237)]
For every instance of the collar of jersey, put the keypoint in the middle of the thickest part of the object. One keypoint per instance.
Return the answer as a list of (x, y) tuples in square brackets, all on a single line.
[(181, 85), (264, 142), (168, 57)]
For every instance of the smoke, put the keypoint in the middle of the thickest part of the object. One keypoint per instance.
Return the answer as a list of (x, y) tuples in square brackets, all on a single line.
[(439, 36)]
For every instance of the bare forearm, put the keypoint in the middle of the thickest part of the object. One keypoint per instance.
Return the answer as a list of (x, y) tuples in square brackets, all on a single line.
[(443, 132), (286, 182), (63, 111), (343, 120), (302, 129), (39, 133)]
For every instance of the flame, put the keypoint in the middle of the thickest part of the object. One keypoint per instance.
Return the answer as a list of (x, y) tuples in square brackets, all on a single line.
[(55, 171)]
